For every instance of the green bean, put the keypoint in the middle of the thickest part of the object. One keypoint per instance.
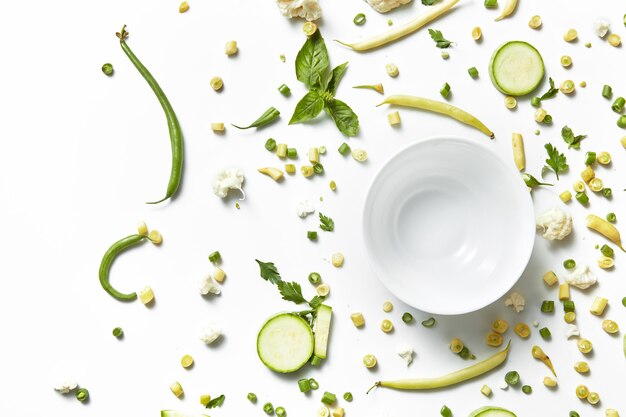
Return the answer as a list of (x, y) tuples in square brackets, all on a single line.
[(450, 379), (176, 136), (108, 258), (266, 118)]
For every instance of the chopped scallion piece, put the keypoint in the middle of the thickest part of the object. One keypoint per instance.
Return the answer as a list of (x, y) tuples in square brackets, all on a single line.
[(118, 332), (251, 397), (512, 378), (621, 122), (582, 198), (284, 90), (607, 91), (569, 264), (429, 322), (545, 333), (359, 19), (329, 398), (590, 158), (268, 408), (607, 251), (407, 318), (445, 90), (473, 72), (445, 411), (547, 306), (535, 101), (569, 306), (344, 149), (318, 168), (313, 384), (270, 144), (618, 104), (347, 396), (280, 412), (316, 360), (215, 257), (82, 394), (292, 153), (611, 218), (491, 4), (607, 192), (527, 389), (315, 278), (311, 235)]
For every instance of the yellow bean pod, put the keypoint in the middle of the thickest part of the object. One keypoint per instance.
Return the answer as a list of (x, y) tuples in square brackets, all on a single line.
[(509, 8), (401, 31), (605, 228), (518, 151), (438, 107)]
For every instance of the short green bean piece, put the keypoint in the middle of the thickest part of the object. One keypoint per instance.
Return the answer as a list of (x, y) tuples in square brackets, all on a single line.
[(176, 135), (108, 258), (266, 118)]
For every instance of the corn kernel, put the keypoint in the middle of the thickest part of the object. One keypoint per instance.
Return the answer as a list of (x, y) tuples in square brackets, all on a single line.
[(142, 228), (337, 259), (219, 274), (357, 319), (231, 48), (598, 306), (614, 40), (216, 83), (564, 292), (176, 389), (570, 35), (146, 295), (184, 6), (550, 278)]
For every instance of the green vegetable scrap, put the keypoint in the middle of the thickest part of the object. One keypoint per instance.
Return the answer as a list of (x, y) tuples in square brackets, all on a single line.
[(266, 118), (556, 161), (312, 70), (573, 141), (440, 41)]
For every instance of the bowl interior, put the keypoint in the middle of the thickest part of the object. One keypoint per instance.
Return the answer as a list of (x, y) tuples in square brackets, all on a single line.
[(449, 227)]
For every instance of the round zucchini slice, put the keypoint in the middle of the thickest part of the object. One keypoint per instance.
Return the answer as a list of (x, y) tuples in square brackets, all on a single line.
[(285, 343), (491, 411), (516, 68)]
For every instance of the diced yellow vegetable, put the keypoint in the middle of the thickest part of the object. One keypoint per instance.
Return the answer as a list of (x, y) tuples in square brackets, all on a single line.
[(219, 274), (281, 150), (522, 330), (584, 345), (184, 6), (338, 412), (386, 326), (610, 326), (314, 155), (535, 22), (614, 40), (518, 151), (588, 174), (155, 237), (394, 118), (176, 389), (565, 196), (569, 317), (581, 367), (605, 262), (307, 170), (323, 290), (550, 278), (570, 35), (456, 345), (231, 48), (392, 70), (550, 382), (598, 306), (186, 361), (142, 228), (486, 390), (205, 399), (604, 158), (357, 319), (494, 339), (387, 306), (217, 127), (611, 412), (477, 33), (290, 168), (146, 295), (564, 292), (596, 185), (216, 83), (369, 361), (500, 326), (579, 186), (274, 173), (337, 259)]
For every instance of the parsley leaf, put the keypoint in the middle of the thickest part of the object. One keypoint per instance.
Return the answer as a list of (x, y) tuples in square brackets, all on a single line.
[(291, 291), (551, 92), (428, 2), (269, 272), (316, 302), (437, 36), (216, 402), (557, 161), (569, 138), (326, 223)]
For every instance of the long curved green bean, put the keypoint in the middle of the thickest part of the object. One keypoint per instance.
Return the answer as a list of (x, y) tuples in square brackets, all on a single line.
[(108, 258), (176, 136), (450, 379)]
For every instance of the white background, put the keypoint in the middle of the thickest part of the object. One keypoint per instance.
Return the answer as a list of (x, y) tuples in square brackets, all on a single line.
[(82, 152)]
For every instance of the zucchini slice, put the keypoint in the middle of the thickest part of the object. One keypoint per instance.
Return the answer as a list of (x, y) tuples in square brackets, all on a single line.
[(516, 68), (174, 413), (491, 411), (322, 330), (285, 343)]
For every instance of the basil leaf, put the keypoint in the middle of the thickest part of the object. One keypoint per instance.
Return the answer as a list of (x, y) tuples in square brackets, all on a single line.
[(335, 78), (345, 119), (312, 61), (307, 108)]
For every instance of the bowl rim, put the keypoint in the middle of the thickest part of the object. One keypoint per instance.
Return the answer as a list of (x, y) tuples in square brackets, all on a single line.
[(375, 266)]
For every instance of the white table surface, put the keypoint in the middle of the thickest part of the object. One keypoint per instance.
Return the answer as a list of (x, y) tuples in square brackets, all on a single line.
[(82, 152)]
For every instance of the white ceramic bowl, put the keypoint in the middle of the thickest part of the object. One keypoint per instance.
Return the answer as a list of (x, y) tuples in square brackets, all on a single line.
[(449, 226)]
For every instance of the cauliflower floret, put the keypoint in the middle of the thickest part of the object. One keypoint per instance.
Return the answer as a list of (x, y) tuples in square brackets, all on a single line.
[(406, 353), (581, 277), (516, 300), (304, 209), (208, 285), (555, 224), (226, 180), (210, 333), (306, 9), (572, 330), (383, 6), (601, 27), (66, 386)]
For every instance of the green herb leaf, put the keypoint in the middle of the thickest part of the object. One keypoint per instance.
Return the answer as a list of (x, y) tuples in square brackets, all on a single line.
[(572, 141), (291, 291), (312, 61), (326, 223), (269, 272), (308, 107), (428, 2), (216, 402), (316, 302), (557, 161), (345, 119), (266, 118), (335, 78), (551, 92), (437, 36)]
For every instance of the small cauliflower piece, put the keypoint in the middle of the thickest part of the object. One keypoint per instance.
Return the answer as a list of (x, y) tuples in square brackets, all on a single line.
[(383, 6), (307, 9), (67, 386), (554, 224), (304, 209), (210, 333), (516, 300), (581, 277), (226, 180), (601, 27), (406, 353), (208, 285), (572, 330)]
